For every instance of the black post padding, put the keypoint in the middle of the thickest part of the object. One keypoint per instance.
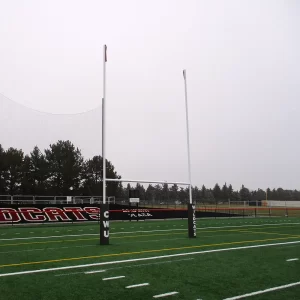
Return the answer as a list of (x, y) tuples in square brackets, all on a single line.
[(192, 220), (104, 224)]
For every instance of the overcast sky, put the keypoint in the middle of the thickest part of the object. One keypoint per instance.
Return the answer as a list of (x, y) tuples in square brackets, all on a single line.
[(242, 61)]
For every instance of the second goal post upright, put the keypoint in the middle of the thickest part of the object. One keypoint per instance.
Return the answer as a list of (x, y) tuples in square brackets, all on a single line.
[(191, 206)]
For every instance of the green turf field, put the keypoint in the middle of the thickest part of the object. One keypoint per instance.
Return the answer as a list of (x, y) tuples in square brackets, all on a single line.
[(153, 259)]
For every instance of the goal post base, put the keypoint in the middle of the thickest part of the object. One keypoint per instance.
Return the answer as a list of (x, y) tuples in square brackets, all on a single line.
[(104, 224), (192, 220)]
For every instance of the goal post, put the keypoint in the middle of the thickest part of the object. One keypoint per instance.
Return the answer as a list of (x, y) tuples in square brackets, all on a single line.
[(104, 208)]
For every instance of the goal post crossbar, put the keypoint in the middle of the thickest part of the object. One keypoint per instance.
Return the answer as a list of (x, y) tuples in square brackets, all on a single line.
[(147, 181)]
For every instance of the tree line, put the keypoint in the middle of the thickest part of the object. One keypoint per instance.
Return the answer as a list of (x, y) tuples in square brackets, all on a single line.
[(62, 170), (217, 194), (58, 170)]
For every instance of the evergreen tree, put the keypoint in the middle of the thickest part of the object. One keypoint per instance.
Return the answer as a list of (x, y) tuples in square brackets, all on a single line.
[(244, 194), (65, 164), (13, 160), (217, 192), (3, 171), (173, 193), (225, 194)]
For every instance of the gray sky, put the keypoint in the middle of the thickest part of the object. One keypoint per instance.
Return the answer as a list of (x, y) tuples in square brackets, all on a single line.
[(242, 61)]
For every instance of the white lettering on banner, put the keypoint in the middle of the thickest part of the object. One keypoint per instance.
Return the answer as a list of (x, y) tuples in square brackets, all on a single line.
[(106, 214), (140, 215), (140, 210), (106, 224), (9, 215), (106, 233)]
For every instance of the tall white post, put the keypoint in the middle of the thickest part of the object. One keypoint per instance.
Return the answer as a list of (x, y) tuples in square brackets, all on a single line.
[(188, 137), (103, 124)]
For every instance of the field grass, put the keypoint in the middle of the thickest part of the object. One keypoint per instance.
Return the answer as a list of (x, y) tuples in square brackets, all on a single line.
[(229, 257)]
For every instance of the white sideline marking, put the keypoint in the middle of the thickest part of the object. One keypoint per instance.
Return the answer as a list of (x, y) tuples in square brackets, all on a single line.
[(141, 231), (96, 271), (143, 258), (113, 278), (136, 285), (165, 295), (264, 291), (292, 259)]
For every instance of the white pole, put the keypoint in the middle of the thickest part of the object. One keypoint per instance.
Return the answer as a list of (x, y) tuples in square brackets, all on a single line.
[(103, 125), (188, 137)]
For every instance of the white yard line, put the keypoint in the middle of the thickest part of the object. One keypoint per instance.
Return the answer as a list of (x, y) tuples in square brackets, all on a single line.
[(95, 271), (144, 259), (132, 266), (151, 264), (86, 234), (26, 250), (264, 291), (238, 226), (113, 278), (165, 295), (142, 231), (83, 246), (292, 259), (48, 237), (67, 274), (136, 285)]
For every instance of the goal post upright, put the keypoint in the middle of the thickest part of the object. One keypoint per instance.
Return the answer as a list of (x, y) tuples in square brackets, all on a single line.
[(104, 207)]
